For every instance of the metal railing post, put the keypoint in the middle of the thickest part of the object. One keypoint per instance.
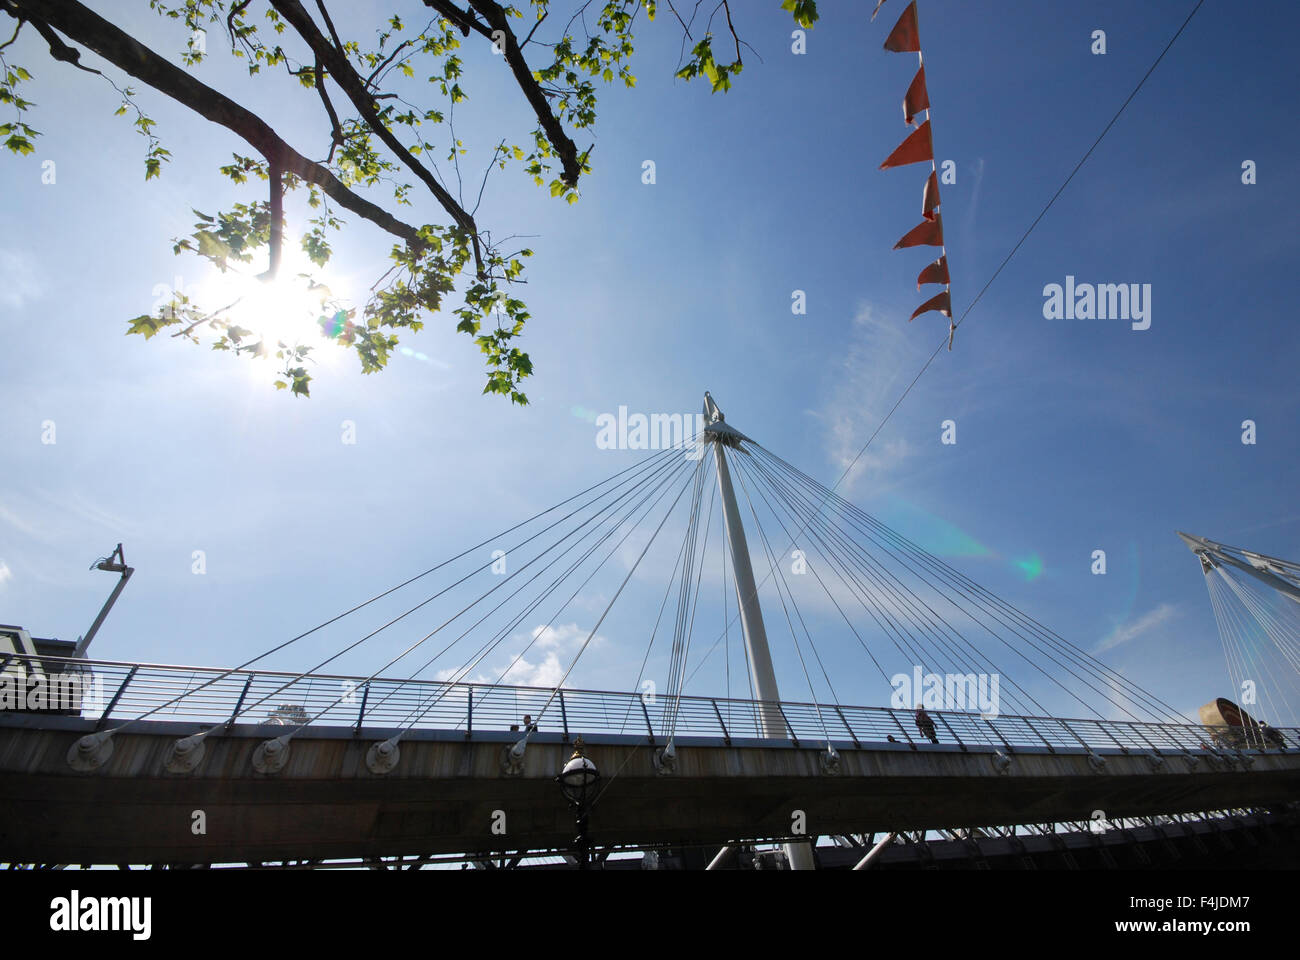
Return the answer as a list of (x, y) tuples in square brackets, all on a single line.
[(469, 712), (564, 714), (998, 734), (646, 713), (788, 725), (361, 713), (903, 730), (1106, 729), (117, 696), (240, 702), (852, 736), (726, 737), (1137, 728), (1046, 742), (949, 728)]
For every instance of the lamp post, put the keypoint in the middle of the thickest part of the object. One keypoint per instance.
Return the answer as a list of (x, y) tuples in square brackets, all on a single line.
[(578, 782)]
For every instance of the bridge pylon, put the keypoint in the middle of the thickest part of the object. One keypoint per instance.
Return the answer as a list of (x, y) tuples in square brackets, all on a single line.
[(722, 435)]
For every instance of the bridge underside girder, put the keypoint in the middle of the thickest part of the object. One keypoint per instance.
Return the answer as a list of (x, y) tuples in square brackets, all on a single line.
[(445, 793)]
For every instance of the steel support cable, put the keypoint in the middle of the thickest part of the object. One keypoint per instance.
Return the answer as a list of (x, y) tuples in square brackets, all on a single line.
[(391, 590), (983, 597), (905, 598), (726, 634), (1253, 655), (847, 621), (690, 630), (667, 472), (1029, 641), (887, 627), (682, 611), (666, 485), (683, 587), (1236, 633), (1272, 624), (1273, 631), (1245, 662), (1218, 597), (654, 631), (609, 607), (481, 598), (881, 591), (488, 647), (762, 536), (796, 502), (852, 549), (835, 697), (956, 579), (743, 469), (655, 479), (572, 596)]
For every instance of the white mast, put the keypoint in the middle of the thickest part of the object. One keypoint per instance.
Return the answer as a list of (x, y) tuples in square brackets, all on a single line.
[(720, 434)]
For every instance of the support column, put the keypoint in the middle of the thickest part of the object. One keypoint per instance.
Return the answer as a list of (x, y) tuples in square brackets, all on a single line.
[(771, 722)]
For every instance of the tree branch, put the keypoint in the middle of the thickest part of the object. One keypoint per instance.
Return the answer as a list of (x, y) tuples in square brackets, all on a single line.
[(277, 218), (120, 49), (350, 82), (495, 15)]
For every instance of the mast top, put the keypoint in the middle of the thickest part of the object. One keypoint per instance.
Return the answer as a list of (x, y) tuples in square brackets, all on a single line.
[(716, 429)]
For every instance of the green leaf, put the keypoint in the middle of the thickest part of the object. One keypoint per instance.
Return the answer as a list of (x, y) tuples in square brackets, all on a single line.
[(144, 324)]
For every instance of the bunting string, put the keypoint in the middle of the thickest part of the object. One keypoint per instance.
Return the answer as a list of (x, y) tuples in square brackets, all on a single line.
[(918, 148)]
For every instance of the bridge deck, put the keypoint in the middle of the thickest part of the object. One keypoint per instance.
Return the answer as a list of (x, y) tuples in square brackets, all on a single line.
[(443, 794)]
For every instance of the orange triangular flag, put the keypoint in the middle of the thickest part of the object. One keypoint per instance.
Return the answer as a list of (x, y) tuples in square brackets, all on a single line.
[(917, 98), (941, 302), (879, 4), (927, 233), (916, 148), (904, 38), (936, 272), (930, 198)]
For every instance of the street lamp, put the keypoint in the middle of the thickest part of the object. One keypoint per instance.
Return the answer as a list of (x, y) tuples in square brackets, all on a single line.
[(578, 782)]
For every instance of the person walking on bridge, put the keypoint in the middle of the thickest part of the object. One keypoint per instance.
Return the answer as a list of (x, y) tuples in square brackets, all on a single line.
[(925, 724)]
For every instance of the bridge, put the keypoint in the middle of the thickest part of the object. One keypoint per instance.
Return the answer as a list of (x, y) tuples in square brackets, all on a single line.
[(183, 765)]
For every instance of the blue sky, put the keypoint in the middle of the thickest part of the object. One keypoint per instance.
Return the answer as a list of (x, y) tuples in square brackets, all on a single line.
[(1072, 435)]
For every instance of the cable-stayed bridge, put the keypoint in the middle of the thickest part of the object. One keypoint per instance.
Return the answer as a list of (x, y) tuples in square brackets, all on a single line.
[(184, 765)]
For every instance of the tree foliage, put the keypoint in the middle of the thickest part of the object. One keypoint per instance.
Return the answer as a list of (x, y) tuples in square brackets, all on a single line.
[(387, 106)]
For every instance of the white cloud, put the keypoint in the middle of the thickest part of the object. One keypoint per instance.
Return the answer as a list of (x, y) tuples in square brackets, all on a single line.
[(558, 645), (1135, 628), (525, 673), (5, 573)]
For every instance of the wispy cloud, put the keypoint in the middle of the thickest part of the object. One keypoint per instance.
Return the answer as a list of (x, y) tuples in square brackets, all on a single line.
[(1135, 628), (18, 279), (878, 356), (5, 573)]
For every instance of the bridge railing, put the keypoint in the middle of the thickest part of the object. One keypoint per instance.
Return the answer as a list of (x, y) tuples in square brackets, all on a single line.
[(114, 692)]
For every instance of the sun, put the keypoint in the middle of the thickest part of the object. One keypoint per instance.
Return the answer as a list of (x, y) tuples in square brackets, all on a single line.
[(295, 309)]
